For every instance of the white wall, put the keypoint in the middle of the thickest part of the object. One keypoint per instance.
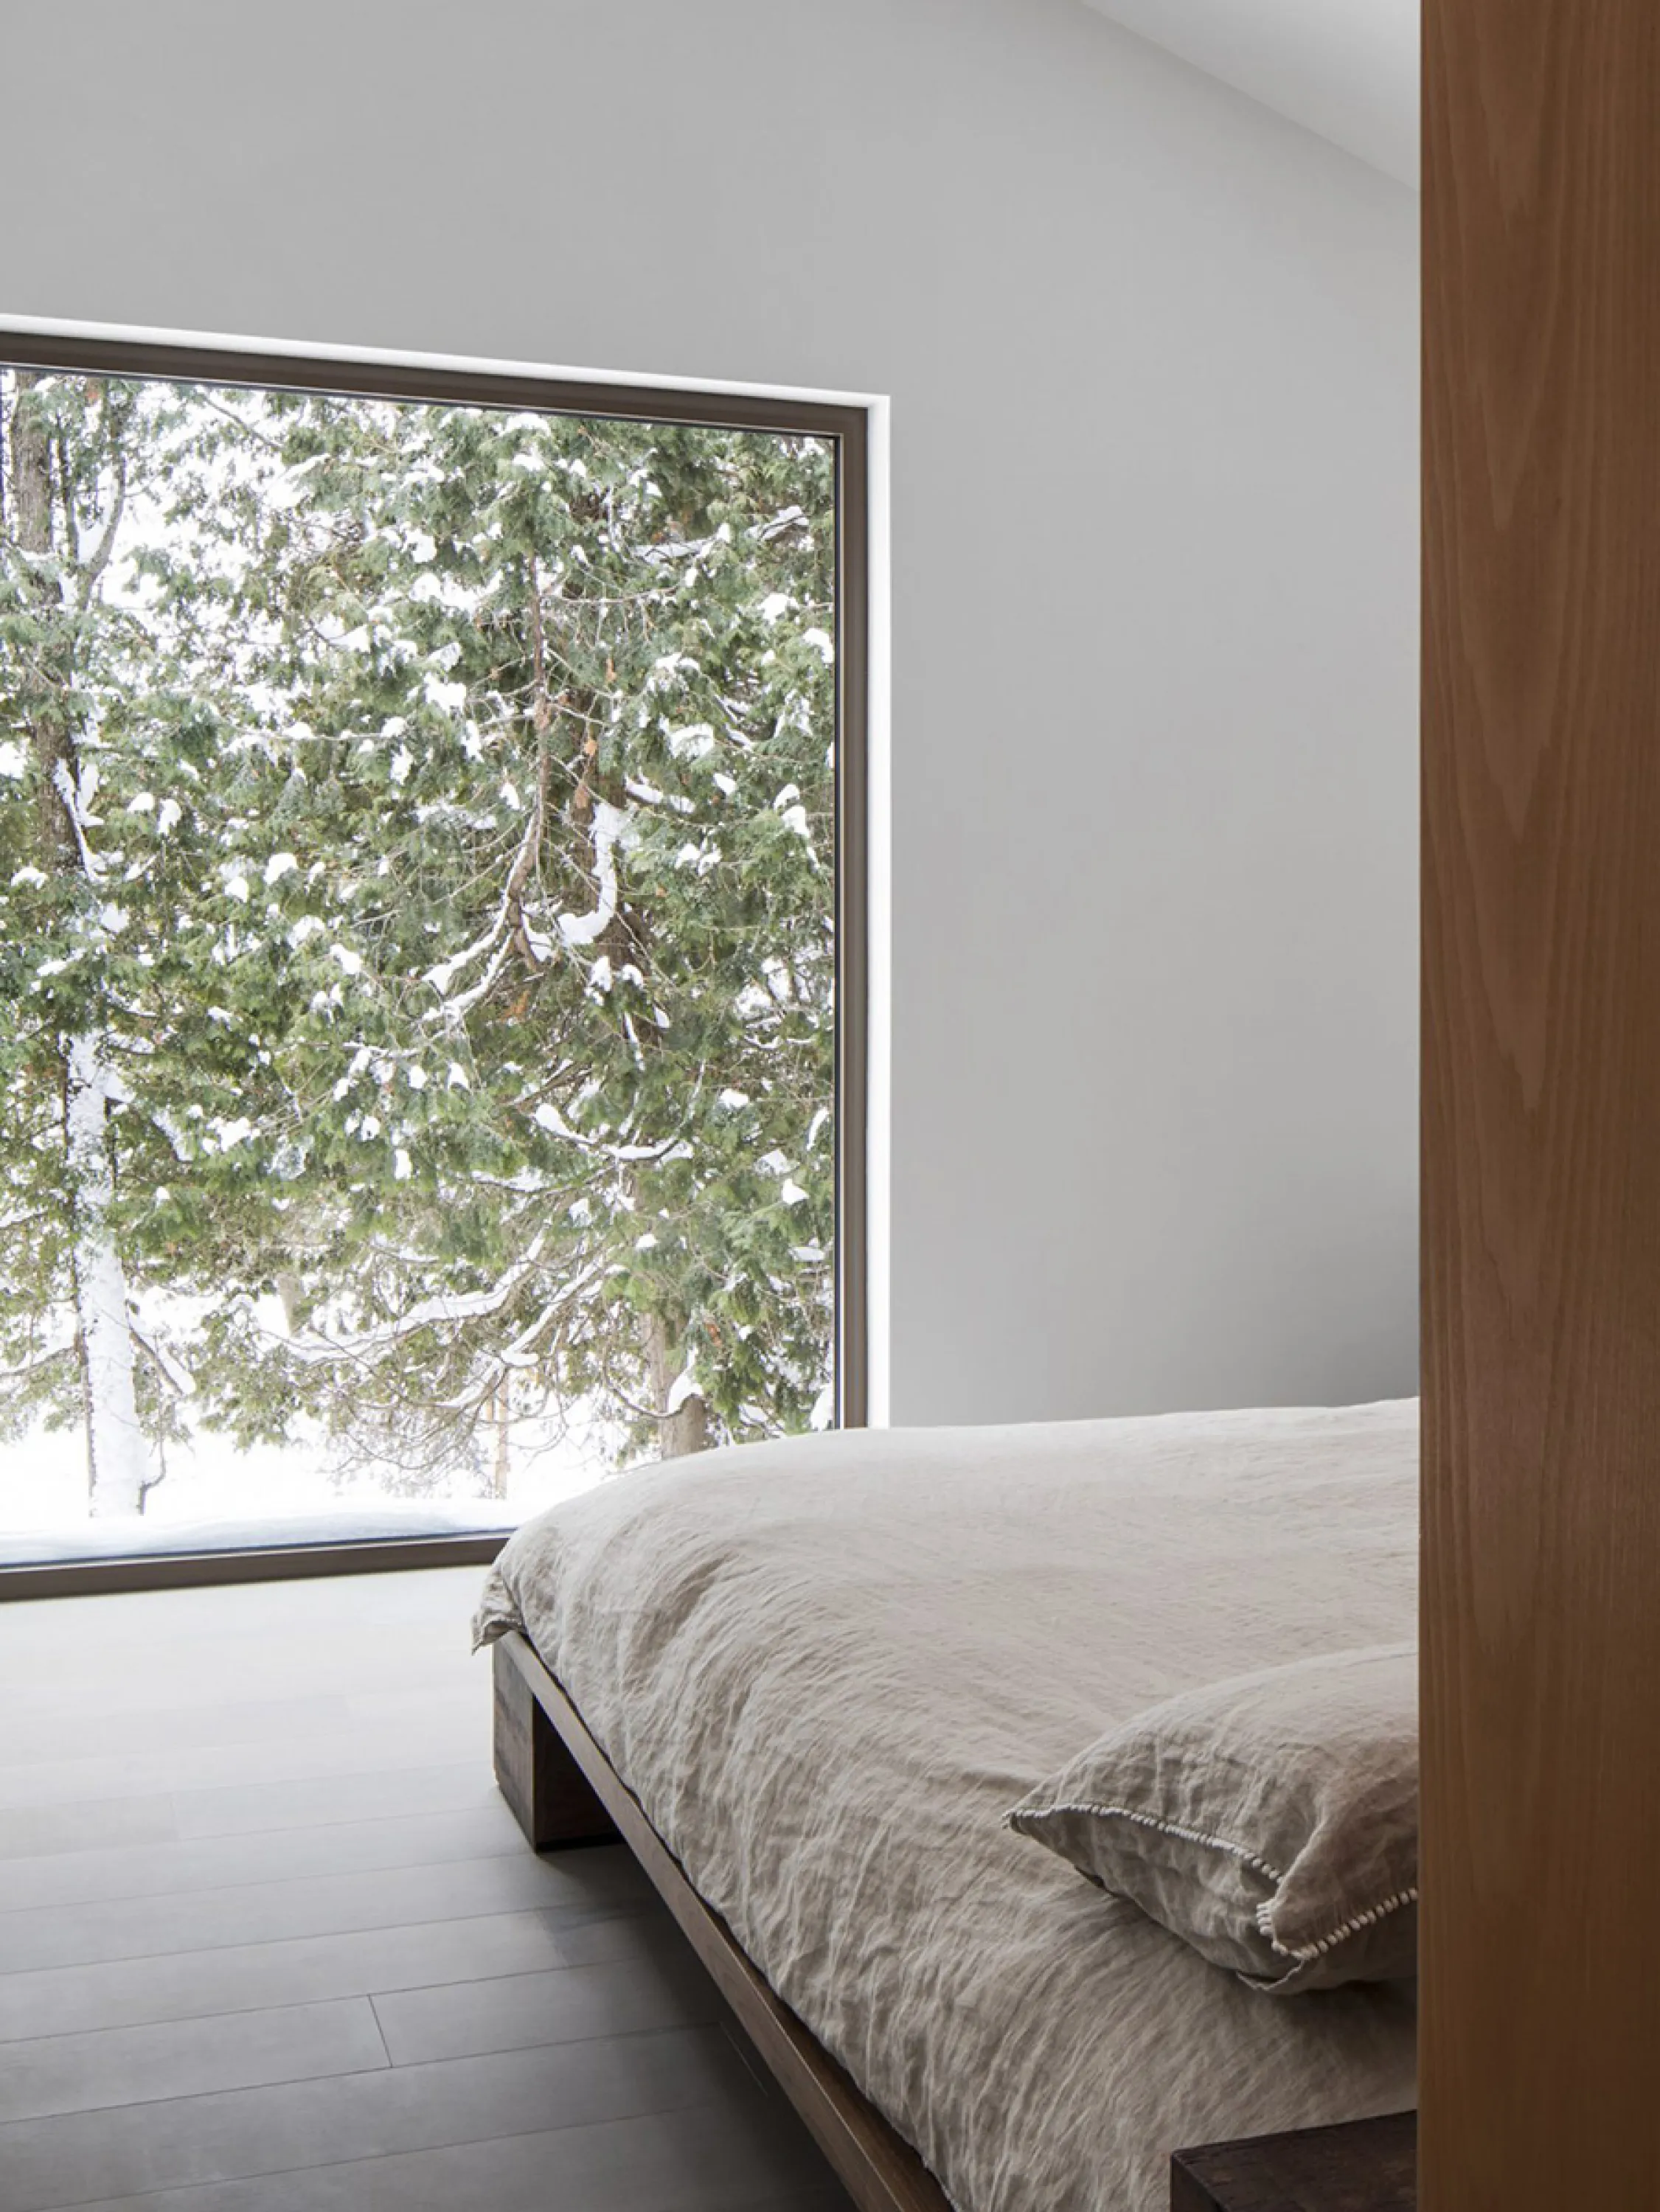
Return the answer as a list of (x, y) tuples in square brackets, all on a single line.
[(1152, 355), (1348, 69)]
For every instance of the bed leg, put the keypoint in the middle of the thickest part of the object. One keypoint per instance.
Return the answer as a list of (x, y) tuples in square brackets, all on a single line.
[(546, 1790)]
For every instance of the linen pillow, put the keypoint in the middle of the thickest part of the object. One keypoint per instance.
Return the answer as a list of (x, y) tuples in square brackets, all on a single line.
[(1269, 1821)]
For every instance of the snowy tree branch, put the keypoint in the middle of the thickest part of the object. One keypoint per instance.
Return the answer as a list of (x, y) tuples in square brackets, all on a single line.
[(64, 784), (38, 1366), (448, 1308), (173, 1370)]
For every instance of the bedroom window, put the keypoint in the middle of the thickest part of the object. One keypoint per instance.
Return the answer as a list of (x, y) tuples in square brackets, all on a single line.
[(430, 1055)]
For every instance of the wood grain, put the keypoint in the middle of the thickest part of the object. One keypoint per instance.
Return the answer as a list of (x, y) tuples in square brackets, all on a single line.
[(1541, 1105), (1366, 2167), (881, 2171), (545, 1789)]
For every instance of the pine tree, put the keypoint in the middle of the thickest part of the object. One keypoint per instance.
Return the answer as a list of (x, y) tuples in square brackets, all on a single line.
[(68, 479), (438, 907)]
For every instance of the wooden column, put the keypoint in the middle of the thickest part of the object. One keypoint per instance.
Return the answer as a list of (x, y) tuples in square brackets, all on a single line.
[(1541, 1988)]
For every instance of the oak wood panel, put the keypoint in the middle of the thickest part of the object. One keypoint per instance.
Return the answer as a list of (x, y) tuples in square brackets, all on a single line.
[(1541, 1105), (881, 2171)]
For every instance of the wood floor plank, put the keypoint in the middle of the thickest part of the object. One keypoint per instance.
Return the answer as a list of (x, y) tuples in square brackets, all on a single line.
[(164, 1869), (178, 1681), (398, 1709), (598, 1942), (580, 1884), (31, 1737), (516, 2012), (262, 1808), (209, 1767), (692, 2160), (313, 1662), (237, 2134), (121, 2066), (253, 1978), (295, 1827), (94, 1824)]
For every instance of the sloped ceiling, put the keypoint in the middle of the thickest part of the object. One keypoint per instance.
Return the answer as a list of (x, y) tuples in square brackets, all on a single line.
[(1347, 68)]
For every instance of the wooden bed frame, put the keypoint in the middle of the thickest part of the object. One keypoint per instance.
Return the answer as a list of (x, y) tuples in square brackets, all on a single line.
[(564, 1792)]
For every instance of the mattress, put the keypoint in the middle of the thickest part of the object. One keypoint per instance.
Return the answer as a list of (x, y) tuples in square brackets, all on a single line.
[(826, 1667)]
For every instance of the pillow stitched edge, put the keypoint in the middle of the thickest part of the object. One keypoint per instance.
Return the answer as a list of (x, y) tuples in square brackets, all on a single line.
[(1020, 1816), (1304, 1953)]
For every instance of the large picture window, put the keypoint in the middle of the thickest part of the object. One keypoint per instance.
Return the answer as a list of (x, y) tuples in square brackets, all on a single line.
[(427, 970)]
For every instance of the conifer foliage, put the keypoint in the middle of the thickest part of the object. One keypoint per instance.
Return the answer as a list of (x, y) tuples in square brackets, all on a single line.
[(416, 926)]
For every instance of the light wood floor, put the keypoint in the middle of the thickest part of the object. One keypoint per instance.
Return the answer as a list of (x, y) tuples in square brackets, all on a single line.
[(270, 1942)]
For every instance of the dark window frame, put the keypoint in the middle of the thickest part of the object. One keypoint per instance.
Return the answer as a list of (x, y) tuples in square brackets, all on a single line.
[(846, 429)]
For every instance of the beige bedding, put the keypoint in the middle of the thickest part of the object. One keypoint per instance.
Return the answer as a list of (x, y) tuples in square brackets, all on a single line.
[(828, 1667)]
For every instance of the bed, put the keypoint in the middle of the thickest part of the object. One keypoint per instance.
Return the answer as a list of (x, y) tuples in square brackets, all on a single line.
[(808, 1679)]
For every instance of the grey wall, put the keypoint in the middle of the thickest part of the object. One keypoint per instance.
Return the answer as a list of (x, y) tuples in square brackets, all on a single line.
[(1348, 69), (1152, 355)]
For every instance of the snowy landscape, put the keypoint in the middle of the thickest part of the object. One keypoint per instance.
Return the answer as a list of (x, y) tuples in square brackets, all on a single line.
[(218, 1495), (417, 957)]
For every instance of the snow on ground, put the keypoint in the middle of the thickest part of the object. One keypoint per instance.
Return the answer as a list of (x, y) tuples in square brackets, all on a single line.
[(215, 1496)]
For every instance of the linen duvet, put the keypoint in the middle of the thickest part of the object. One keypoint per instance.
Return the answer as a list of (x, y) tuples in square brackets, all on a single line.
[(828, 1667)]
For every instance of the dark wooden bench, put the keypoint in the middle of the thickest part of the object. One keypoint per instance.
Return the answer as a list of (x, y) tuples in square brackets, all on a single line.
[(1370, 2166)]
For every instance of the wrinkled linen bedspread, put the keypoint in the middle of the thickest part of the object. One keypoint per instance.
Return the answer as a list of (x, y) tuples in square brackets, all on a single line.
[(826, 1667)]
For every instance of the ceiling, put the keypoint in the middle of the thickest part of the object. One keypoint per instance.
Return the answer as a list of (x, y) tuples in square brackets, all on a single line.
[(1347, 68)]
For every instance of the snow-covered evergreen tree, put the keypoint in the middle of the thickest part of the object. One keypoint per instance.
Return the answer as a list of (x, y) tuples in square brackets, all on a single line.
[(415, 924)]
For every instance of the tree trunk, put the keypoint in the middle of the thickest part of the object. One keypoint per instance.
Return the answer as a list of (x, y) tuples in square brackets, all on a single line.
[(47, 680), (118, 1458), (683, 1416), (501, 1421), (119, 1463)]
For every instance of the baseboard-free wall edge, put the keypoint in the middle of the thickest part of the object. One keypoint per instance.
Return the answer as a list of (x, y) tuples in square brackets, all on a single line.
[(278, 1563)]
